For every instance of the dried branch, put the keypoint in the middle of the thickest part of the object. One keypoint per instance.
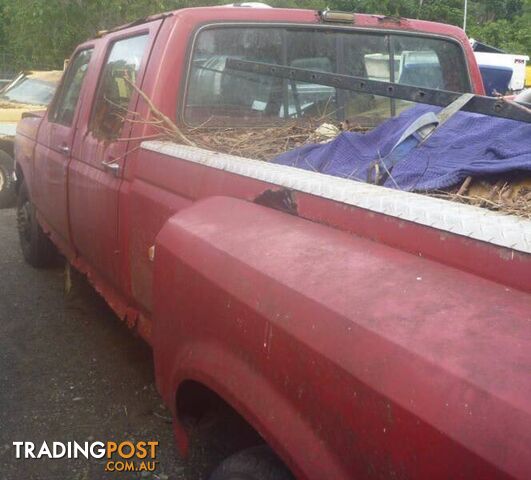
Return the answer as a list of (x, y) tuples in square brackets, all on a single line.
[(464, 187), (166, 123)]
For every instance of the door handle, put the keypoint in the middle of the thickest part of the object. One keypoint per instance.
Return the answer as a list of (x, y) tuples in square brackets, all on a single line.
[(111, 167), (64, 149)]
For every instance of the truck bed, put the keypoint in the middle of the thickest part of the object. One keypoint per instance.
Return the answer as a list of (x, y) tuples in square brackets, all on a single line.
[(426, 224)]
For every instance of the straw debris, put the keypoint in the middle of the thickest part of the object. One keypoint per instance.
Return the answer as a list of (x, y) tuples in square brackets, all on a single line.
[(510, 195), (506, 195), (267, 142)]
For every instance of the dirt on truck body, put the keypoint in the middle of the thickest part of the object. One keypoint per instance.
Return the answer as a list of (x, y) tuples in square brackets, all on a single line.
[(349, 327)]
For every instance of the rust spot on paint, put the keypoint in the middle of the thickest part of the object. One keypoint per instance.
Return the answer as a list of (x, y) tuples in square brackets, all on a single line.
[(283, 200)]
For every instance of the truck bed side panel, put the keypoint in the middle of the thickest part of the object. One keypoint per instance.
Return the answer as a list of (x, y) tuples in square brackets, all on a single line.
[(344, 331)]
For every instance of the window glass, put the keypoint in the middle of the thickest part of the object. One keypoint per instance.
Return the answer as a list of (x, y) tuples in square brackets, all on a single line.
[(115, 89), (220, 96), (30, 91), (428, 62), (65, 107), (228, 94)]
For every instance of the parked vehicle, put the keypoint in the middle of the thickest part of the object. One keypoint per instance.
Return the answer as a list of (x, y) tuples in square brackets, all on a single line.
[(496, 80), (490, 62), (28, 91), (354, 331)]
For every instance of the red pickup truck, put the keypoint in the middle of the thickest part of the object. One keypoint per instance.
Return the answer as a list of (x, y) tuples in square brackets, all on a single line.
[(357, 331)]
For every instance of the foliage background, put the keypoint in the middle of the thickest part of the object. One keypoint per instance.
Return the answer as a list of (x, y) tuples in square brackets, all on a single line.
[(41, 33)]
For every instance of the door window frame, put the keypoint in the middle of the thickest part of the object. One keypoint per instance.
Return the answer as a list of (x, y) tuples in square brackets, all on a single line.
[(145, 29), (58, 97)]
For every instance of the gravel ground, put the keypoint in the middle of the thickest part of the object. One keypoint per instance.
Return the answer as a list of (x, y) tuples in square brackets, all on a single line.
[(70, 371)]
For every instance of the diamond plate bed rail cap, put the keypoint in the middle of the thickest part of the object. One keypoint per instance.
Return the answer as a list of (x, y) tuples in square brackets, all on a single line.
[(466, 220)]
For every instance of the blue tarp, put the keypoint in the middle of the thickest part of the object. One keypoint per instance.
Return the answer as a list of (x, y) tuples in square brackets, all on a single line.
[(467, 144)]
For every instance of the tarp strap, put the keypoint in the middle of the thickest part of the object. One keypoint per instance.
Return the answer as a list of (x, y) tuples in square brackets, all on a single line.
[(414, 135), (445, 114)]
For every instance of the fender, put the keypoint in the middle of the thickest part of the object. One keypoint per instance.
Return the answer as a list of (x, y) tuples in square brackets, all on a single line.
[(24, 148), (255, 398), (341, 349), (183, 354)]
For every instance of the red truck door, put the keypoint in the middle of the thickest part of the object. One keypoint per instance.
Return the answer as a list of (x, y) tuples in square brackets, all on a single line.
[(54, 144), (96, 171)]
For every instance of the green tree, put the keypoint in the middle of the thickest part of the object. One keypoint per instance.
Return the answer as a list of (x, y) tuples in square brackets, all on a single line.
[(41, 33), (512, 34)]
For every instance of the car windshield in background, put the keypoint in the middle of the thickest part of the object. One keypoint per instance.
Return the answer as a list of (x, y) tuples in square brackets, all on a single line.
[(30, 91), (219, 96)]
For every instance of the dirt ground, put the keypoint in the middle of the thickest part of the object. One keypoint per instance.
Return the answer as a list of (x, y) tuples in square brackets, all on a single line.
[(70, 371)]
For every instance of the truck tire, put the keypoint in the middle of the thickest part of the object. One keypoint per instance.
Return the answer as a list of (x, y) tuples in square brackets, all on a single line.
[(256, 463), (37, 248), (7, 185)]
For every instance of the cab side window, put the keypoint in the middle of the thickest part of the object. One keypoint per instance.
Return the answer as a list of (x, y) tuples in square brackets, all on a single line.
[(116, 86), (64, 108)]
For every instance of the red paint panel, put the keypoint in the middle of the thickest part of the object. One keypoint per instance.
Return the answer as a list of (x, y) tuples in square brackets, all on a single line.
[(27, 130), (509, 267), (148, 210), (50, 196), (93, 205), (195, 181), (396, 350)]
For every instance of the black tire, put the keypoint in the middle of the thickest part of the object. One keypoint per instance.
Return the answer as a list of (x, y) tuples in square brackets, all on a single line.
[(256, 463), (37, 248), (7, 185)]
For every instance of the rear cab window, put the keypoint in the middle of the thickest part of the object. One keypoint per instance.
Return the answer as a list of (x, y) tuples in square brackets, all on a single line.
[(216, 96)]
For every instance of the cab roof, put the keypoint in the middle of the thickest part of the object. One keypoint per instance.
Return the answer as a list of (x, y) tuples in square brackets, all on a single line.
[(264, 13)]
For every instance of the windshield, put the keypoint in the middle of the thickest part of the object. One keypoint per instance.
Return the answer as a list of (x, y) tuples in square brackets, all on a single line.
[(29, 91), (219, 96)]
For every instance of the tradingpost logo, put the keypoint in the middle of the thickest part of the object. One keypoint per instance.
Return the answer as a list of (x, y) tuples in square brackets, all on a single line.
[(121, 456)]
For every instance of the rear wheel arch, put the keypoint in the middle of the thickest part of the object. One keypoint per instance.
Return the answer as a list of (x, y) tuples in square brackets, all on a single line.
[(195, 400), (200, 408), (189, 364), (255, 399)]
